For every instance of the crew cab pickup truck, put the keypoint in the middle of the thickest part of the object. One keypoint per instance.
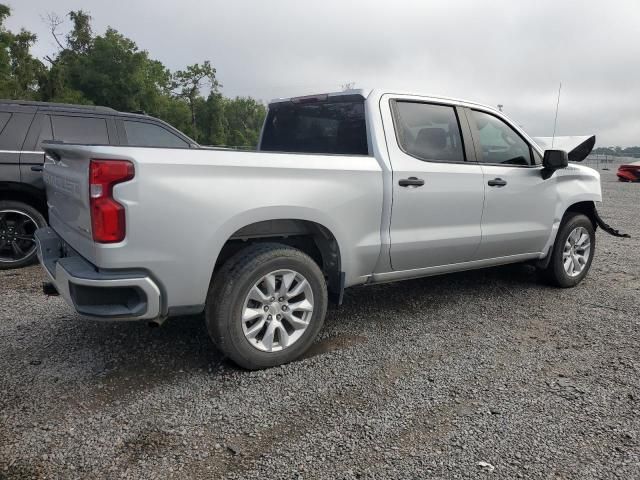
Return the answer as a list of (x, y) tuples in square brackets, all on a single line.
[(350, 188)]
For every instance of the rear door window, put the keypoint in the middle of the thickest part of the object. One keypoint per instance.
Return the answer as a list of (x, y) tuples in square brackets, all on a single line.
[(428, 131), (85, 130), (144, 134), (333, 127)]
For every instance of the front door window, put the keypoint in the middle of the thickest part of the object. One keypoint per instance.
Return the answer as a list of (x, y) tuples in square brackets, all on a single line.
[(500, 143)]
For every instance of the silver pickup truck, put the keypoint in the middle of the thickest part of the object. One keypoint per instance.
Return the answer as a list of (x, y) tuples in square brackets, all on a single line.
[(349, 188)]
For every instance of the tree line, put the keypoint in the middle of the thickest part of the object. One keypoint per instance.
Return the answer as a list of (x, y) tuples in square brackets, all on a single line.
[(618, 151), (110, 70)]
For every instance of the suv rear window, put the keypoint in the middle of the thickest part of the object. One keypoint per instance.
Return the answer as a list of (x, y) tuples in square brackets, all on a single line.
[(336, 126), (143, 134), (83, 130)]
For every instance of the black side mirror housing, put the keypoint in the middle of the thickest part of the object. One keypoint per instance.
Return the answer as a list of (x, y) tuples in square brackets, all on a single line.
[(554, 160)]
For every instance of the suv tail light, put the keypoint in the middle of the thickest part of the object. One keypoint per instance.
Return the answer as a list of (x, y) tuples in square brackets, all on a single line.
[(107, 216)]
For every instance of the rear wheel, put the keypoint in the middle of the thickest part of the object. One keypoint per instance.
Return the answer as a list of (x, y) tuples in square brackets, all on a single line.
[(572, 252), (266, 305), (18, 222)]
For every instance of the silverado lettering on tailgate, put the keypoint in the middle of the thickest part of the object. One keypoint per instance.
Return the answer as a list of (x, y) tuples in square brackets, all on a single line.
[(66, 185)]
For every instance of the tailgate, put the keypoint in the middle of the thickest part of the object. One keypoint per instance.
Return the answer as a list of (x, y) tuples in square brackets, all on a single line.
[(66, 177)]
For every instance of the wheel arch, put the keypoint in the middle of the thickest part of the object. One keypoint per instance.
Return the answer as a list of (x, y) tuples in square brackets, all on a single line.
[(586, 207), (309, 236), (20, 192)]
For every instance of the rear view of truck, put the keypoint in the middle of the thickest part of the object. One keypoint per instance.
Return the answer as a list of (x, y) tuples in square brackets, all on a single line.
[(86, 214)]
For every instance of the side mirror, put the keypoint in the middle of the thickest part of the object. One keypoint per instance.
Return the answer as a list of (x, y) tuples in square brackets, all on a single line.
[(553, 160)]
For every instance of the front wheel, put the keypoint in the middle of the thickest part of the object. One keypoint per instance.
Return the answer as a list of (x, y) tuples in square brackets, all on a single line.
[(266, 305), (572, 252), (18, 222)]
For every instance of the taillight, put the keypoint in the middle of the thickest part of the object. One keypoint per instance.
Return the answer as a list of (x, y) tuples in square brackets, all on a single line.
[(107, 216)]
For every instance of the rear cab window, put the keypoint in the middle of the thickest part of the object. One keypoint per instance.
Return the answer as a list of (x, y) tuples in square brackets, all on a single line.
[(322, 124)]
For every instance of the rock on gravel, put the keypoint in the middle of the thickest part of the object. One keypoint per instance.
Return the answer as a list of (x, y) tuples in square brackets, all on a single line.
[(434, 378)]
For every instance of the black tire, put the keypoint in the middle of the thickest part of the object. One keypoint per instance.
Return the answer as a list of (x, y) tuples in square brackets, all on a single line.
[(555, 272), (16, 252), (230, 287)]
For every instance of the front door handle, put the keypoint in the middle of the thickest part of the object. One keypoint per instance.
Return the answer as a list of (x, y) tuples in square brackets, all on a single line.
[(497, 182), (411, 182), (37, 168)]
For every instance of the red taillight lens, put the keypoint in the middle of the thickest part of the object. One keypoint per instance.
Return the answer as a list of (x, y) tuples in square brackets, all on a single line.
[(107, 216)]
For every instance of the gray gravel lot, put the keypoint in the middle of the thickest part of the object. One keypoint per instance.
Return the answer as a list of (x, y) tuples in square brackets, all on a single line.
[(420, 379)]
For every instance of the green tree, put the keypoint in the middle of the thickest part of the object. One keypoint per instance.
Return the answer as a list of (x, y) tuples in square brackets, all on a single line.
[(176, 112), (20, 72), (189, 83), (57, 86), (5, 58), (111, 70), (107, 69), (212, 120), (80, 38), (244, 117), (114, 72)]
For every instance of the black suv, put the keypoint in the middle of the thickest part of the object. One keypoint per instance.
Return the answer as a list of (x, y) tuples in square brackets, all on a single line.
[(24, 126)]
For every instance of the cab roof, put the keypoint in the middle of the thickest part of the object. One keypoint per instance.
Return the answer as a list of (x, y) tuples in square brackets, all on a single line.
[(366, 92)]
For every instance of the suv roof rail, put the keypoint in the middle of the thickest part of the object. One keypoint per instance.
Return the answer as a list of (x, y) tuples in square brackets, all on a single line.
[(95, 108)]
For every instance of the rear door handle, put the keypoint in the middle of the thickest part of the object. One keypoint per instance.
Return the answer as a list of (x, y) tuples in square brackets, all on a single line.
[(497, 182), (411, 182)]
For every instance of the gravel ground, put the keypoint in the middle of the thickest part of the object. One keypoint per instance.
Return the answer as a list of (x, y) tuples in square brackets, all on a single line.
[(486, 374)]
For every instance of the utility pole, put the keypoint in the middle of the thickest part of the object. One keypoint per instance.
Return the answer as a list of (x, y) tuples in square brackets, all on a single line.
[(500, 106)]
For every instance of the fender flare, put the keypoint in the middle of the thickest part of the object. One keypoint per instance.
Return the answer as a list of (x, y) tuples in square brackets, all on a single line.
[(544, 262)]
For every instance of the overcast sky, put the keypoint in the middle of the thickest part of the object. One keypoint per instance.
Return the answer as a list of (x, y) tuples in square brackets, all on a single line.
[(496, 52)]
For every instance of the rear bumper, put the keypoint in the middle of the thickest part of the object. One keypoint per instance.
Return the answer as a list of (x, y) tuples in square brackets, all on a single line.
[(93, 292)]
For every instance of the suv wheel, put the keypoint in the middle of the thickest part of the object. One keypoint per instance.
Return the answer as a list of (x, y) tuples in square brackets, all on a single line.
[(266, 305), (18, 222), (572, 252)]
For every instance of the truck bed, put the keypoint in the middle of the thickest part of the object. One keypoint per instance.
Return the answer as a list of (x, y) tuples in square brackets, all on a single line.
[(183, 205)]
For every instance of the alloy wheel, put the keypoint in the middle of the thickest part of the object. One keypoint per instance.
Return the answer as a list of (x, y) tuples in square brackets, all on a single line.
[(16, 235), (577, 249), (277, 310)]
